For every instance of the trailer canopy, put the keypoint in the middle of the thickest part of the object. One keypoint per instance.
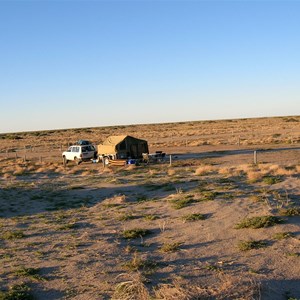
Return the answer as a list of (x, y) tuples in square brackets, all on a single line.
[(123, 146)]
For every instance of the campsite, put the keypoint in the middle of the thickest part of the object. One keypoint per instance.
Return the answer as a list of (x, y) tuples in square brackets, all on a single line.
[(212, 224)]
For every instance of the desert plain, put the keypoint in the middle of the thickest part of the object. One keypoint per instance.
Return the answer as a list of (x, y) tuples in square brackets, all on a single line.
[(219, 220)]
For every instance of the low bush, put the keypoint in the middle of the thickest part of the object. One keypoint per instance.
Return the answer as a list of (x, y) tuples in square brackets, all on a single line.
[(135, 233), (259, 222), (248, 245)]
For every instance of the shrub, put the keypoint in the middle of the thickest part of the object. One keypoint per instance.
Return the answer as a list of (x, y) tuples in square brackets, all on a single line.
[(208, 195), (293, 211), (17, 292), (271, 180), (180, 203), (282, 235), (135, 233), (126, 217), (28, 272), (170, 247), (137, 263), (193, 217), (151, 217), (248, 245), (259, 222), (11, 235)]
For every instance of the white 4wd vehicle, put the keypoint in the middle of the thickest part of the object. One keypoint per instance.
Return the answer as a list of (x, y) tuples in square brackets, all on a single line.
[(79, 153)]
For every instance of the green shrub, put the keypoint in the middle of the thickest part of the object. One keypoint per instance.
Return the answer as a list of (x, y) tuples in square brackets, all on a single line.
[(135, 233), (259, 222), (151, 217), (193, 217), (180, 203), (248, 245), (170, 247), (282, 235), (271, 180), (17, 292), (293, 211), (126, 217), (28, 272), (12, 235)]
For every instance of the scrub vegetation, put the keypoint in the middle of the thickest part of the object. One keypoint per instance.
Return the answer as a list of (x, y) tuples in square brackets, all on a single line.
[(212, 225)]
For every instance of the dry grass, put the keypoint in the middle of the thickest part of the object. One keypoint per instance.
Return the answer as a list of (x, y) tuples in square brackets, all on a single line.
[(204, 170), (171, 172), (131, 289), (68, 222), (226, 288)]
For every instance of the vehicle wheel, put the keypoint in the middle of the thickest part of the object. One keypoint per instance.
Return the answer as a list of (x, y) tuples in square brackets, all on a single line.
[(76, 160), (106, 161)]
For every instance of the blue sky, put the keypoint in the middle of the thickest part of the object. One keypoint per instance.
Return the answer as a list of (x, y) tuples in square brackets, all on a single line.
[(70, 64)]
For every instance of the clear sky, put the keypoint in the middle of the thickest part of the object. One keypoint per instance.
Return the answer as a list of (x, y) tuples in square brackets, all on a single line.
[(70, 64)]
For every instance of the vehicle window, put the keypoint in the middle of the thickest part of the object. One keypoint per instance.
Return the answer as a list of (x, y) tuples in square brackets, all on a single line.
[(84, 149)]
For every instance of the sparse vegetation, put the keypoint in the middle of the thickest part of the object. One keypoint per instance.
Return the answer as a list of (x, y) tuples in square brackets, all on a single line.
[(170, 247), (126, 217), (135, 233), (249, 245), (133, 288), (12, 235), (282, 235), (180, 203), (259, 222), (271, 179), (29, 272), (139, 264), (17, 292), (292, 211), (193, 217), (88, 229), (151, 217)]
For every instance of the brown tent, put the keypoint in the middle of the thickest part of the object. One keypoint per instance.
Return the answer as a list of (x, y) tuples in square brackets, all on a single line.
[(122, 147)]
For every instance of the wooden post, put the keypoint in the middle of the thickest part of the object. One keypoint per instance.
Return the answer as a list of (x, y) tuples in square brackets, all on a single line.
[(255, 157), (170, 160)]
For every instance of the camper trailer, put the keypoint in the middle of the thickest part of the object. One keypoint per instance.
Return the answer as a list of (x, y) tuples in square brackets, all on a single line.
[(122, 147)]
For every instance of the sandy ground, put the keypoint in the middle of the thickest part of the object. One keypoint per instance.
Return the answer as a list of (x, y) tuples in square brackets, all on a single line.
[(68, 225)]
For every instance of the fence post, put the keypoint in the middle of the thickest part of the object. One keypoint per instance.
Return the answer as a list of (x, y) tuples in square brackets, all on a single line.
[(170, 160), (255, 157)]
